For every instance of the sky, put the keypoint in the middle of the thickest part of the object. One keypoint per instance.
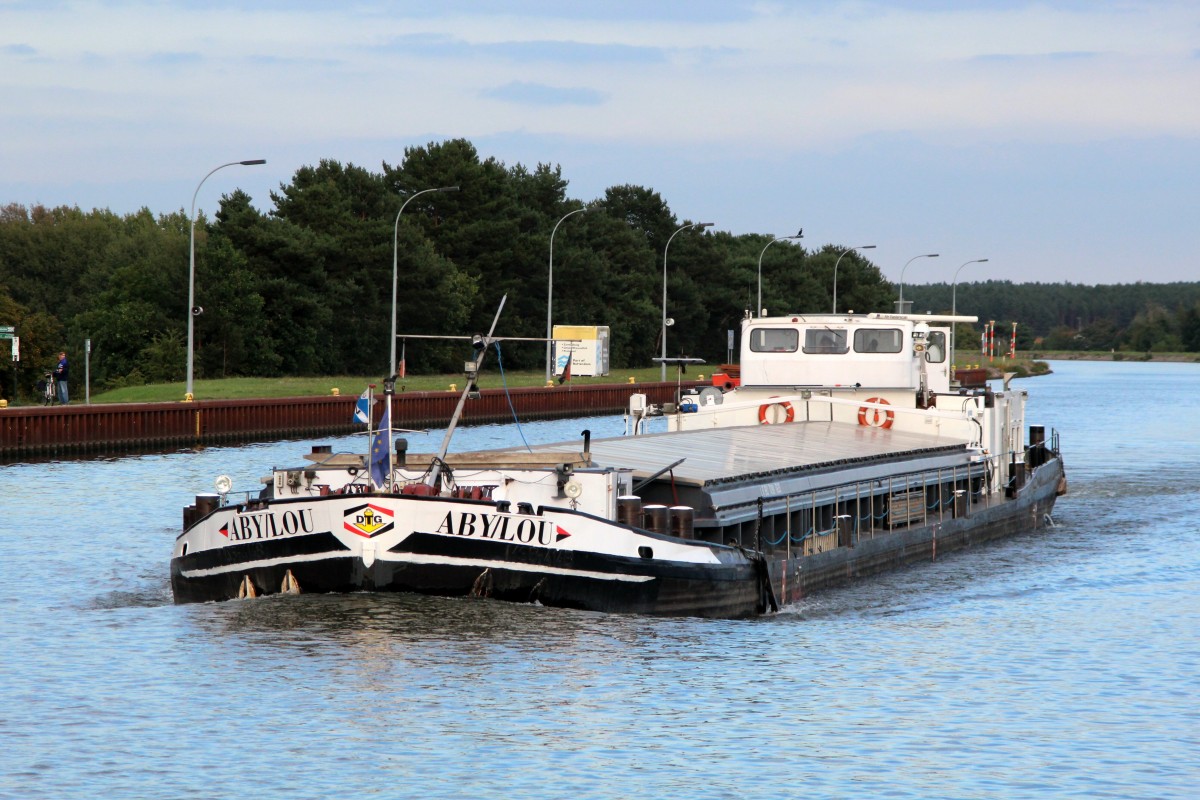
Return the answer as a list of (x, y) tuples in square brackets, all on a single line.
[(1058, 140)]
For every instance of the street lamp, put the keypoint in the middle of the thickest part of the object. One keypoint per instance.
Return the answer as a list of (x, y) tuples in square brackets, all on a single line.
[(900, 305), (799, 235), (835, 266), (701, 226), (550, 293), (193, 310), (396, 260), (954, 307)]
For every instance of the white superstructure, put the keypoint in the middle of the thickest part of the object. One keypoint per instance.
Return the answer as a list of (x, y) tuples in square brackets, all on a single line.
[(883, 371)]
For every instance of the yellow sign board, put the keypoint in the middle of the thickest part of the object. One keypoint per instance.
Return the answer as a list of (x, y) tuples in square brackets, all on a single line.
[(584, 346)]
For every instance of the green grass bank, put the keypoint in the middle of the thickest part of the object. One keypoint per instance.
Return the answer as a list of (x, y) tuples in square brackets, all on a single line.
[(242, 388)]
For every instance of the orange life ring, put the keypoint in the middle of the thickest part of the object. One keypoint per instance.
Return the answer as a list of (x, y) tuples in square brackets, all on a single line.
[(877, 420), (785, 405)]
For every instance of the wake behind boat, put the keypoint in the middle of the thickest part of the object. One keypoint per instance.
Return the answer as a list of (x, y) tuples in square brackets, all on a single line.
[(847, 449)]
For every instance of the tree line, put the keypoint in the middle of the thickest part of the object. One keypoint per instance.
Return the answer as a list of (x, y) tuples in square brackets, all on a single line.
[(1135, 318), (305, 289)]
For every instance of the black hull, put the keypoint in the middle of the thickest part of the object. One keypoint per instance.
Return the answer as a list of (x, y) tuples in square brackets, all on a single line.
[(319, 564)]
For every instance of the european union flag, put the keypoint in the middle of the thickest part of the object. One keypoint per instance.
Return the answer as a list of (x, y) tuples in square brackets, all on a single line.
[(379, 448)]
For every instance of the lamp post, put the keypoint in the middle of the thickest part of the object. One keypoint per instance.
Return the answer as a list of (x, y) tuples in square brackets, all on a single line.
[(900, 305), (835, 268), (799, 235), (701, 226), (954, 307), (550, 294), (396, 264), (193, 310)]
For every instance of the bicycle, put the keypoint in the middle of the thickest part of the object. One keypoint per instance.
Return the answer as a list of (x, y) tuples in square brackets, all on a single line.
[(46, 388)]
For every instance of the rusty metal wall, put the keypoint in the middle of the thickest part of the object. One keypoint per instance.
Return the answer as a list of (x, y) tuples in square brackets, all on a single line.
[(132, 427)]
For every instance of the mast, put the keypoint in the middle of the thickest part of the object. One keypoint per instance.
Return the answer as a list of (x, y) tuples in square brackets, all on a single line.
[(481, 344), (389, 390)]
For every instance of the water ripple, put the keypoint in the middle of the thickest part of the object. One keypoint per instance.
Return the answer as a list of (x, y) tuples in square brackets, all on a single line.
[(1059, 663)]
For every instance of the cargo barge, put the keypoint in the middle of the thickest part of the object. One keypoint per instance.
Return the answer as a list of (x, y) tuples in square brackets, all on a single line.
[(846, 449)]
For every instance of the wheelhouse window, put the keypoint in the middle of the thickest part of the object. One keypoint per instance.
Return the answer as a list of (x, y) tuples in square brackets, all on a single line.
[(825, 340), (935, 350), (774, 340), (876, 340)]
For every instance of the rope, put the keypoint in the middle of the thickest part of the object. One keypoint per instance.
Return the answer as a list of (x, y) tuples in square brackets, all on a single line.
[(772, 543), (809, 534), (507, 396)]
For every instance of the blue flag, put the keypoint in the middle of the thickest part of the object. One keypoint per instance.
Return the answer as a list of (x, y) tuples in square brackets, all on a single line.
[(379, 449), (362, 408)]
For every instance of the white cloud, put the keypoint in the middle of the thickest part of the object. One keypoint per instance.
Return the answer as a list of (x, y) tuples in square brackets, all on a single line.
[(128, 91)]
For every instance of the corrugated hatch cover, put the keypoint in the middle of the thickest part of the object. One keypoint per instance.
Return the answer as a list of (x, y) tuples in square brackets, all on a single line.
[(756, 452)]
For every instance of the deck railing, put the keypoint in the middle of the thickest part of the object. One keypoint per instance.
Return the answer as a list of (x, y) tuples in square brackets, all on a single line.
[(841, 515)]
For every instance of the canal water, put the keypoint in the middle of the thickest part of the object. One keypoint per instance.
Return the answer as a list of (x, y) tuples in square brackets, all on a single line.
[(1061, 663)]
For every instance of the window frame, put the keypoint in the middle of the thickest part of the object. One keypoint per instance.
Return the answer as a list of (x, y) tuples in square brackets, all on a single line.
[(762, 333), (840, 347), (861, 334), (936, 339)]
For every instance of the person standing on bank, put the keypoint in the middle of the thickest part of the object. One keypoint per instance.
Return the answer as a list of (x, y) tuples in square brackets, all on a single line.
[(60, 378)]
